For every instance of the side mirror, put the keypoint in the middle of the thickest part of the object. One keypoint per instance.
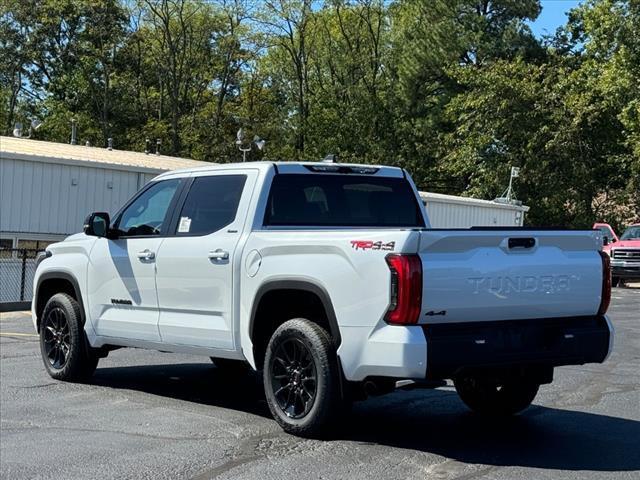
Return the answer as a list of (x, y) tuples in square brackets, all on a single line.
[(605, 240), (97, 224)]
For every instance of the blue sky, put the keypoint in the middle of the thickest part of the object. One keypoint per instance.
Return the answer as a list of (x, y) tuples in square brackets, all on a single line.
[(553, 15)]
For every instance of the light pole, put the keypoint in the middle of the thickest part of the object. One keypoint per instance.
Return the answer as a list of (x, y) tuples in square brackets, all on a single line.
[(260, 143), (33, 126)]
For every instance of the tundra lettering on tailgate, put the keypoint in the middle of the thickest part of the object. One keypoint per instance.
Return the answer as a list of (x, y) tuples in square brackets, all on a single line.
[(526, 284)]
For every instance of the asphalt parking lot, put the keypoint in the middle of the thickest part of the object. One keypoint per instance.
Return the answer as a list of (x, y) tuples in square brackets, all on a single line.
[(153, 415)]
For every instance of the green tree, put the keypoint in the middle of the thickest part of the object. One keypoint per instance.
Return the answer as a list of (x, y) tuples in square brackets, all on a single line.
[(428, 39)]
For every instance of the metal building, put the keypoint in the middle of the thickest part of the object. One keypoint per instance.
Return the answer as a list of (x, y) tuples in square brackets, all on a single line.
[(47, 189), (448, 211)]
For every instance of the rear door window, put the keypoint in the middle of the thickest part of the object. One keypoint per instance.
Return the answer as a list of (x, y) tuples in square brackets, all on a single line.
[(325, 200), (211, 204)]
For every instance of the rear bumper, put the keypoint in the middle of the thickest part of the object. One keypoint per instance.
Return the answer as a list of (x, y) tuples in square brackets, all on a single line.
[(463, 348), (440, 351)]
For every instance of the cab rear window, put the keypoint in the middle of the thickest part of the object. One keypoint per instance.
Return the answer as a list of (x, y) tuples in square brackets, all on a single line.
[(326, 200)]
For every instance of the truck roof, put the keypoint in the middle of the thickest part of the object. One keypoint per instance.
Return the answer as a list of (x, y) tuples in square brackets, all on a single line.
[(293, 167)]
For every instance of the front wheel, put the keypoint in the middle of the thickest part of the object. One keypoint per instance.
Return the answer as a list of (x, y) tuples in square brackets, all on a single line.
[(302, 379), (65, 351), (492, 398)]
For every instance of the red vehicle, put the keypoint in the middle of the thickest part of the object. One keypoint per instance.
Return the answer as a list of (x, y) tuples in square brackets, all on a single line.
[(624, 251)]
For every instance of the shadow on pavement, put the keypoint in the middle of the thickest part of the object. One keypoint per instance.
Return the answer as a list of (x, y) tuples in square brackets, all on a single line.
[(193, 382), (433, 421), (540, 437)]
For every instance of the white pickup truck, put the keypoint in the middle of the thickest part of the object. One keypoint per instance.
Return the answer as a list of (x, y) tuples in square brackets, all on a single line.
[(328, 279)]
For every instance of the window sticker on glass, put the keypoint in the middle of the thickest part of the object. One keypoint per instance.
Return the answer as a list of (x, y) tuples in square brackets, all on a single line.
[(185, 225)]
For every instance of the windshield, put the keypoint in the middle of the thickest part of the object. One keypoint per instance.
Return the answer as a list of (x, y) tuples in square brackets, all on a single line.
[(631, 233)]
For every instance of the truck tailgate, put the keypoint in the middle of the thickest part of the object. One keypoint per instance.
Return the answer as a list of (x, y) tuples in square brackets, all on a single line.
[(489, 275)]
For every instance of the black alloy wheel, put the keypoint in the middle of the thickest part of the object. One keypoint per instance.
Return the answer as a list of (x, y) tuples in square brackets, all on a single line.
[(66, 353), (302, 379), (57, 339), (293, 378)]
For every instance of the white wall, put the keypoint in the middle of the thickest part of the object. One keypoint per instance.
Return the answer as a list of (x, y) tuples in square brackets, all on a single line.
[(51, 198), (451, 214)]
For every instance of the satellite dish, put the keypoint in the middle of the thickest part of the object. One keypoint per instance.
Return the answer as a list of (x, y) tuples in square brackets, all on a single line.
[(36, 124), (260, 143), (17, 130)]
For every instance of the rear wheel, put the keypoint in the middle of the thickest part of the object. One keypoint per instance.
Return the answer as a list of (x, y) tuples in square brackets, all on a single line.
[(65, 351), (492, 398), (302, 379)]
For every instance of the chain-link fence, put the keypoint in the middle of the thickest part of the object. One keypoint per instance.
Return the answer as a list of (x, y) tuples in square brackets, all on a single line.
[(17, 269)]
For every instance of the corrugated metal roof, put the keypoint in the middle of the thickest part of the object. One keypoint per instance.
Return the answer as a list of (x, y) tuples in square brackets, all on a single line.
[(35, 150)]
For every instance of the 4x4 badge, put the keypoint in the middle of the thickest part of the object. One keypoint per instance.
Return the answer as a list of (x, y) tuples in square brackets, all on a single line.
[(371, 245)]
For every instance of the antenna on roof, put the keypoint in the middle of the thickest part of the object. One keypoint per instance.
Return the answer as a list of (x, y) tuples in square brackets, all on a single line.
[(508, 195), (74, 131)]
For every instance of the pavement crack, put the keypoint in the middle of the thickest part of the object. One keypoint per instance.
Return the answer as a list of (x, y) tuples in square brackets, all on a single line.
[(248, 452), (101, 430), (28, 387)]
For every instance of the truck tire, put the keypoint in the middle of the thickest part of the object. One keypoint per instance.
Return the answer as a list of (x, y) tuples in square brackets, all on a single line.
[(65, 351), (488, 398), (302, 378)]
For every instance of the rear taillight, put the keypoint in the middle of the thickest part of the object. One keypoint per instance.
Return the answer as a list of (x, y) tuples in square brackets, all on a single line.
[(605, 298), (406, 289)]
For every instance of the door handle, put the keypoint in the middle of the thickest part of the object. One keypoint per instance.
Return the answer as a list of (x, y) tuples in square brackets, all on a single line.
[(219, 254), (521, 242), (146, 255)]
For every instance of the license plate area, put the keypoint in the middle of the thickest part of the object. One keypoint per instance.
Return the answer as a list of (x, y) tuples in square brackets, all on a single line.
[(454, 348)]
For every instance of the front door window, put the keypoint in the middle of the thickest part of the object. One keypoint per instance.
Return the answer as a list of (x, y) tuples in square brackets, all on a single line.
[(147, 214)]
